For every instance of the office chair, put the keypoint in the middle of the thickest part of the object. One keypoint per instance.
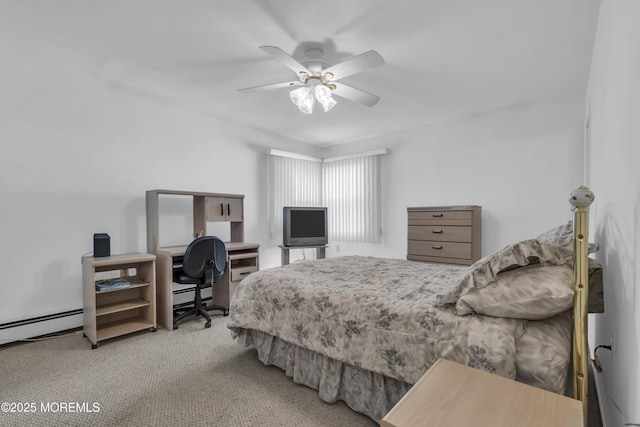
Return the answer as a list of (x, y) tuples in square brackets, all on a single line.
[(203, 263)]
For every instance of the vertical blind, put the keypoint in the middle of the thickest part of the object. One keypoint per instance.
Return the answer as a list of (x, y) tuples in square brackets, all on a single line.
[(350, 191), (349, 188), (293, 182)]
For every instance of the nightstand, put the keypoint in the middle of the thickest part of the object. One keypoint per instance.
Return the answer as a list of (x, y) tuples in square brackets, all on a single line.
[(450, 394)]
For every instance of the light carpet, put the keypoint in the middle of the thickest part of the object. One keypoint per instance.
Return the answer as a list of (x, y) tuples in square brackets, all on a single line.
[(191, 376)]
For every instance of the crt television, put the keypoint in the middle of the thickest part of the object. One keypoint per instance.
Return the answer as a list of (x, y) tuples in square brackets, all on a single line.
[(304, 226)]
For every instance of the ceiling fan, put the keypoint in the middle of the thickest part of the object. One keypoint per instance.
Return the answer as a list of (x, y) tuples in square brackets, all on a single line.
[(318, 81)]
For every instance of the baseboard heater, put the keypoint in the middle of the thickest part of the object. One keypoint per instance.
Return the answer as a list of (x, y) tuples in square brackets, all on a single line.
[(25, 329)]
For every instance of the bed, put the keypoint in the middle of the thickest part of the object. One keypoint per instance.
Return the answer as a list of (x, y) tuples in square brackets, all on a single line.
[(364, 329)]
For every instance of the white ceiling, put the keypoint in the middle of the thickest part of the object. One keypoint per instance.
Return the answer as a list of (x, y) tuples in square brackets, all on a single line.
[(445, 59)]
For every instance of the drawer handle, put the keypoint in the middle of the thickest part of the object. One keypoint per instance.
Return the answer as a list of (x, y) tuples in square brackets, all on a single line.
[(222, 209), (438, 215), (436, 247), (437, 231), (244, 272), (228, 208)]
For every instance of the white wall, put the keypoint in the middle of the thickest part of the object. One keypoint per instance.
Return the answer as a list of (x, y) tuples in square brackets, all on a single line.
[(77, 155), (76, 158), (519, 164), (614, 176)]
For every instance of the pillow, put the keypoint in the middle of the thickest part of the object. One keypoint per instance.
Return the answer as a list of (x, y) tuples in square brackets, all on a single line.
[(562, 237), (485, 270), (533, 293), (543, 353)]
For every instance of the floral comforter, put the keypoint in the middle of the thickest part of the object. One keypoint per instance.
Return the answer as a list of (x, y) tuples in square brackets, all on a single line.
[(373, 313)]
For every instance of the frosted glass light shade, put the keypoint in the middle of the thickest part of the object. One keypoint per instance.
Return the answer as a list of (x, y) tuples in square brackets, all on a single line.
[(323, 95), (303, 98)]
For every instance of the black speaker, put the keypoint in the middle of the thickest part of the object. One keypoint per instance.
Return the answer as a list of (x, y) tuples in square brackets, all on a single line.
[(101, 245)]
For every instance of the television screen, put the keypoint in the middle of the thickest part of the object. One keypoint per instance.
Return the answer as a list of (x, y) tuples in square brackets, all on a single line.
[(307, 223), (305, 226)]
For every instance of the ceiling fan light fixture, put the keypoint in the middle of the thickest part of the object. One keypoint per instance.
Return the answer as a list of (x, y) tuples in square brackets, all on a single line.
[(303, 98), (329, 104), (317, 72), (323, 95)]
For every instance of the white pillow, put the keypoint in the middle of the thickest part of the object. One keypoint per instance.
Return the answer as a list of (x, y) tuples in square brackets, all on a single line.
[(534, 292), (486, 269)]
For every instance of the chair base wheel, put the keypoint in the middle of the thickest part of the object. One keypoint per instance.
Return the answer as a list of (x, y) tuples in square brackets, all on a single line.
[(208, 324), (94, 346)]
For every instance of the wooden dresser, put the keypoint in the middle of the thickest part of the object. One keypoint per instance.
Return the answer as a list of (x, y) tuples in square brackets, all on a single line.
[(445, 234)]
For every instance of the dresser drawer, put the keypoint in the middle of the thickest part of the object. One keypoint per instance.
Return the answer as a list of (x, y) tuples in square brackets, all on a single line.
[(239, 273), (439, 249), (443, 217), (445, 233)]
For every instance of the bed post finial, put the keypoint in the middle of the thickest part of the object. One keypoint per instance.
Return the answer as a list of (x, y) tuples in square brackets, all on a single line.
[(580, 198)]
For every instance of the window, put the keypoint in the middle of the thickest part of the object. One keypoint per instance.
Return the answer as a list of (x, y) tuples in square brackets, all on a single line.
[(292, 182), (350, 191), (347, 186)]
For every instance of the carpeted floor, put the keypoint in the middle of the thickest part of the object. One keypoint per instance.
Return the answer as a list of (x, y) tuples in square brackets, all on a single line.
[(191, 376)]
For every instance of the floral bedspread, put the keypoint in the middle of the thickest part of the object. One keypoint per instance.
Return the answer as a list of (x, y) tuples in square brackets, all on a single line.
[(377, 314)]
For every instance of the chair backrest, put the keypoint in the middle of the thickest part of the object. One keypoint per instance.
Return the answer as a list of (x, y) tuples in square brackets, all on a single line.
[(205, 257)]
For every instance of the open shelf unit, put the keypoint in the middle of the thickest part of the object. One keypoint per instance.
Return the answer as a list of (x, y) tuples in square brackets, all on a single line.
[(111, 313)]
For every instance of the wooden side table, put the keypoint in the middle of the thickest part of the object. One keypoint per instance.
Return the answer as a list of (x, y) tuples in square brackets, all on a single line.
[(284, 254), (111, 313), (450, 394)]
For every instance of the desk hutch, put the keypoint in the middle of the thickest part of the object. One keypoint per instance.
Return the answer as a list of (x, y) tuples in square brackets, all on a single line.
[(242, 257)]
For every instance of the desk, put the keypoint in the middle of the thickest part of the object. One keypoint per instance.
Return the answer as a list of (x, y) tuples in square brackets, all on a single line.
[(450, 394), (284, 254), (242, 259)]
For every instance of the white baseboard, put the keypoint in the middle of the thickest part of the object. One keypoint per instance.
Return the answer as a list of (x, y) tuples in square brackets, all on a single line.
[(29, 328), (609, 412)]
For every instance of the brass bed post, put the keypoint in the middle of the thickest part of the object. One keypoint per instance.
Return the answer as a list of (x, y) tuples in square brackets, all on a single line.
[(581, 198)]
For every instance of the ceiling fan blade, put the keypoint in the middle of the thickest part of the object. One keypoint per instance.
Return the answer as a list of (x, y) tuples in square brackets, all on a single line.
[(286, 59), (273, 86), (355, 65), (355, 95)]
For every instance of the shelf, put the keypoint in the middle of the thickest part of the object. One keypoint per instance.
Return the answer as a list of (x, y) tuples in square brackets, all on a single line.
[(120, 260), (243, 255), (111, 330), (134, 285), (121, 306), (110, 313)]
